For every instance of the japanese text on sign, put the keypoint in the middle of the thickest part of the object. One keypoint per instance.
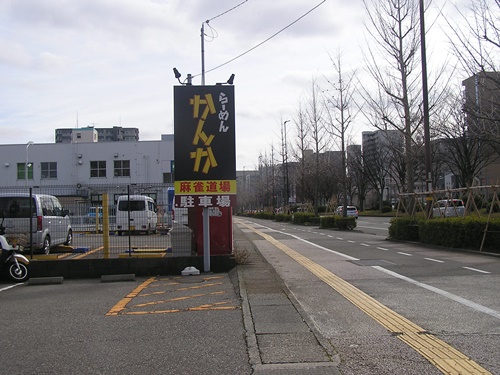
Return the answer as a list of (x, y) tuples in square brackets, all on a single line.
[(206, 187)]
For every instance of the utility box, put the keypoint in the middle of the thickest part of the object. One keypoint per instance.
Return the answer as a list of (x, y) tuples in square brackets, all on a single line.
[(221, 230), (181, 237)]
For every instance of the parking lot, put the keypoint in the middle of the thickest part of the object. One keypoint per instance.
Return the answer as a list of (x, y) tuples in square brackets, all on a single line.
[(158, 325)]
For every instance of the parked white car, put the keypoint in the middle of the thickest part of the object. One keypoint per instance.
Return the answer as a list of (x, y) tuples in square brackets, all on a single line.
[(351, 211), (449, 208), (50, 223)]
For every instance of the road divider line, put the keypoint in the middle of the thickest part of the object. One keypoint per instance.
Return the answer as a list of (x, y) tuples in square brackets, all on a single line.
[(443, 356), (476, 270), (434, 260), (406, 254)]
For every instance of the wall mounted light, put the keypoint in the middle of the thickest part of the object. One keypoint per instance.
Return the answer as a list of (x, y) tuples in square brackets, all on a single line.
[(7, 164)]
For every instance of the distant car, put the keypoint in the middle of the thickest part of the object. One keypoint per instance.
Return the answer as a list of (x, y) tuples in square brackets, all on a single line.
[(91, 214), (351, 211), (448, 208)]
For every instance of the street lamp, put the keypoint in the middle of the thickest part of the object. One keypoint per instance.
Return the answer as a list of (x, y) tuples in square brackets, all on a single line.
[(26, 165)]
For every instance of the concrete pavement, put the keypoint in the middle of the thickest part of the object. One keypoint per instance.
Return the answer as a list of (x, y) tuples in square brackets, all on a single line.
[(280, 338)]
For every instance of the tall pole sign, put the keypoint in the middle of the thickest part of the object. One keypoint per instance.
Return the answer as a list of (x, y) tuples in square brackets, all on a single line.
[(204, 146)]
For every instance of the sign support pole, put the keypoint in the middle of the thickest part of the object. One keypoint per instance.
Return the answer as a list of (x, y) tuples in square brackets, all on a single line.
[(206, 239)]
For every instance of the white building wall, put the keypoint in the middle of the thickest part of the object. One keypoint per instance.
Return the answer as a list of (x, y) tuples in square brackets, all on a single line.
[(149, 160)]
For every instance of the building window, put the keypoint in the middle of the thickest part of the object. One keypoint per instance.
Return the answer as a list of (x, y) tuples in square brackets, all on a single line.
[(98, 168), (48, 170), (21, 171), (168, 178), (122, 168)]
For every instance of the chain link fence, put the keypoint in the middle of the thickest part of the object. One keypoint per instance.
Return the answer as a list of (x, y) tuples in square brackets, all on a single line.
[(90, 222)]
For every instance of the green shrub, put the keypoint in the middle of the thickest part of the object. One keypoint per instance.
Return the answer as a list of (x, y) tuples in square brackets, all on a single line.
[(315, 220), (282, 217), (345, 223), (455, 232), (328, 222), (386, 209), (302, 217), (496, 207), (404, 228), (264, 215)]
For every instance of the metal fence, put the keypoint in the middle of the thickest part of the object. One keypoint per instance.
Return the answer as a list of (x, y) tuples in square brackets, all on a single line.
[(95, 232)]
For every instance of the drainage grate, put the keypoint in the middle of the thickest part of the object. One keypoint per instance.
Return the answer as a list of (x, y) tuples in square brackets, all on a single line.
[(371, 262)]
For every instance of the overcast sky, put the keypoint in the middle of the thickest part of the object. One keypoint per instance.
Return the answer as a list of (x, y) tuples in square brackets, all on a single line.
[(69, 63)]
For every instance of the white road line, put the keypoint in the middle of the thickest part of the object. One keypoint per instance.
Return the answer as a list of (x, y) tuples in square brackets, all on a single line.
[(443, 293), (340, 238), (382, 248), (10, 287), (408, 255), (364, 244), (434, 260), (351, 241), (463, 301), (364, 226), (475, 269)]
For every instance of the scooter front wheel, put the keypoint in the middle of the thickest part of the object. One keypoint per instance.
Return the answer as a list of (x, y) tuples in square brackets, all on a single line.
[(18, 272)]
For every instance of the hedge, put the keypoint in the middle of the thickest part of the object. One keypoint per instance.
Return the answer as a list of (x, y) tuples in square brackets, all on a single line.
[(455, 232), (338, 222)]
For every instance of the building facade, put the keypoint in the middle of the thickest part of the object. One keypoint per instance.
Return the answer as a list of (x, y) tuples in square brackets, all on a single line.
[(481, 96), (114, 134), (88, 169)]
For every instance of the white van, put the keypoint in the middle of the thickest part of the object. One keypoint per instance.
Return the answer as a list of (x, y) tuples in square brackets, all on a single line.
[(142, 211), (51, 224)]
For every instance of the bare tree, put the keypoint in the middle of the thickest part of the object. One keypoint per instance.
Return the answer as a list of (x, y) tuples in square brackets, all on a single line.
[(357, 173), (314, 116), (478, 43), (394, 25), (465, 153), (477, 47), (299, 170), (339, 105)]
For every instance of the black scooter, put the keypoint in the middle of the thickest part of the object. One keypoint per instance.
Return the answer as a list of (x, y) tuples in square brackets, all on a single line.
[(16, 263)]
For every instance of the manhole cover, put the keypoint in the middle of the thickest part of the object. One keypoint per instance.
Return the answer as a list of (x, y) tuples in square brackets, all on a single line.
[(371, 262)]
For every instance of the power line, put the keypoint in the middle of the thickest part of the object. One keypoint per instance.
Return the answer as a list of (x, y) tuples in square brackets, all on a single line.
[(227, 11), (263, 42)]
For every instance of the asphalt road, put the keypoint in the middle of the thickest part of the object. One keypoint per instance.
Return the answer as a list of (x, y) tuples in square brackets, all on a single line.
[(452, 295), (85, 326), (162, 325)]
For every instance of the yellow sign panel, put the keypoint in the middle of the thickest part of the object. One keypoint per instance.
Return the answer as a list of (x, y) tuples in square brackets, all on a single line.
[(204, 187)]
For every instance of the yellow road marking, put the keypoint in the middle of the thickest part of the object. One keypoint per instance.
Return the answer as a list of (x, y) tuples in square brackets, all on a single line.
[(185, 298), (88, 253), (120, 306), (183, 289), (446, 358), (215, 306)]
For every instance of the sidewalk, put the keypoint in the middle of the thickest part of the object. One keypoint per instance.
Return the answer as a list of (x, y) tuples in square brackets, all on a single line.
[(280, 338)]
